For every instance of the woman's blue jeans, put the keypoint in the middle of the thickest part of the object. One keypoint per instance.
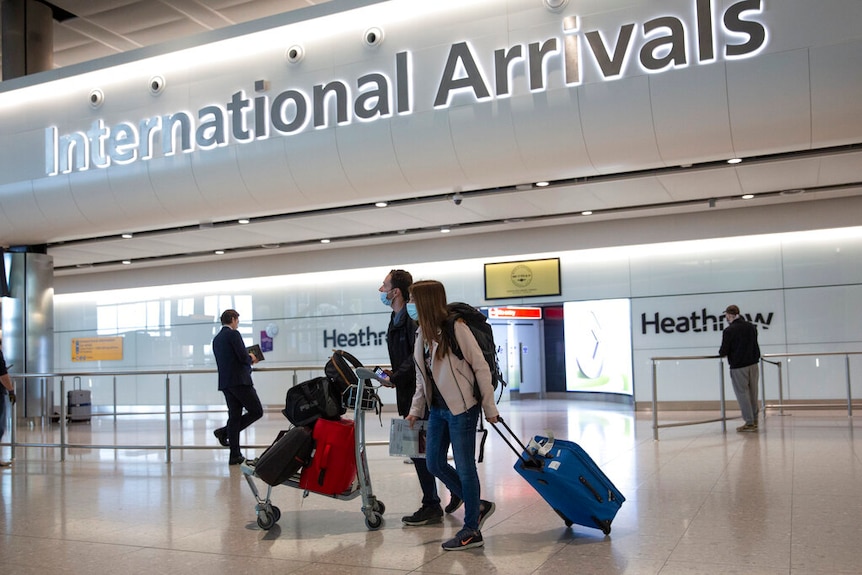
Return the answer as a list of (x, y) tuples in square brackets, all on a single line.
[(463, 479)]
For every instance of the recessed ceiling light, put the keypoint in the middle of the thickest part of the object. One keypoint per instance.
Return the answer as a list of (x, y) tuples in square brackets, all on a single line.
[(127, 236), (586, 213), (219, 252), (126, 262), (734, 160), (444, 230), (381, 204), (542, 184), (747, 196), (325, 241), (243, 221)]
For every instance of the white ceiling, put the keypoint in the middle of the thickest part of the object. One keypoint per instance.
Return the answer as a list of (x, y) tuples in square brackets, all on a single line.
[(106, 27)]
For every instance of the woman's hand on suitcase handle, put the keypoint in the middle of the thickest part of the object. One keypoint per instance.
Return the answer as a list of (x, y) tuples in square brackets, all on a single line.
[(494, 419)]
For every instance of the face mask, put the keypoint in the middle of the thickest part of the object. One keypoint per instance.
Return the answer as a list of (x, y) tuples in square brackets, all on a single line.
[(411, 311), (384, 299)]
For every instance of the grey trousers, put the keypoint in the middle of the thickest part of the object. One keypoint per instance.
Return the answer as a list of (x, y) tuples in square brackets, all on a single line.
[(745, 381)]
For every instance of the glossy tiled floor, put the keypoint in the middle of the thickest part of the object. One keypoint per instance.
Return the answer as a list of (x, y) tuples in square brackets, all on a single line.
[(787, 500)]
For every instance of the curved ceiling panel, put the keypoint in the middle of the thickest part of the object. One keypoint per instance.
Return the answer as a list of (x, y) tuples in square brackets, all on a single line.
[(690, 114), (218, 180), (754, 87), (314, 162), (368, 158), (265, 172), (618, 125), (551, 141), (57, 205), (484, 141), (423, 146), (172, 185), (836, 86)]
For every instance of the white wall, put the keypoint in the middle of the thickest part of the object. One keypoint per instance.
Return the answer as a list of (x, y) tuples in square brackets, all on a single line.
[(808, 285)]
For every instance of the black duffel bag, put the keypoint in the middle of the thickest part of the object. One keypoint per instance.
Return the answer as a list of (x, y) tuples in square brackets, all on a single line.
[(307, 401), (290, 452)]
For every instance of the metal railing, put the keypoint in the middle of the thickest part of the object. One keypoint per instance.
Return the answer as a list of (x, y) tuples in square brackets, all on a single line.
[(170, 409), (781, 406), (655, 424), (765, 359)]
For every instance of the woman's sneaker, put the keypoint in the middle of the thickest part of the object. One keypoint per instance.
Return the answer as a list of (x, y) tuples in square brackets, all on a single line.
[(454, 503), (426, 515), (465, 539), (486, 508)]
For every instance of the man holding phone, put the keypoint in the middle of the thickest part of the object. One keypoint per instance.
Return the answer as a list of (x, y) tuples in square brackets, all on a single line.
[(400, 337)]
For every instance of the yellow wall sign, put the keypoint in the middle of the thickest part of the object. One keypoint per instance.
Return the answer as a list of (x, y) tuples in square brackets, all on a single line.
[(522, 279), (97, 348)]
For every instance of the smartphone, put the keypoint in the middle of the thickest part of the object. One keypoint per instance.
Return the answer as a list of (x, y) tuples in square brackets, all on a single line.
[(380, 373)]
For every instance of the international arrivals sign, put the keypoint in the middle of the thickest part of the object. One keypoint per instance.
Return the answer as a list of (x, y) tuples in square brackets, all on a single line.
[(667, 41)]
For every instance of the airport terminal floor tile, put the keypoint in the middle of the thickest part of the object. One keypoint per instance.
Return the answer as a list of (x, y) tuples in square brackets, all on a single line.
[(786, 500)]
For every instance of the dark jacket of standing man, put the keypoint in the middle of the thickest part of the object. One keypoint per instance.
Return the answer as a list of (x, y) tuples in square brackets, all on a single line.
[(234, 380), (739, 345)]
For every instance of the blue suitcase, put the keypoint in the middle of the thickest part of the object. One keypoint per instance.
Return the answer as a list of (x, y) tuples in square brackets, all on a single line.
[(569, 480)]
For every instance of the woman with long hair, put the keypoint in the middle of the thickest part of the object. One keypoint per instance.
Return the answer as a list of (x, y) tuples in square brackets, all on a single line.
[(446, 385)]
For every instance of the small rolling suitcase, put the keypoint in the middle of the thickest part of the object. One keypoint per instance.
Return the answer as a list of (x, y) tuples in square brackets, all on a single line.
[(290, 451), (333, 466), (79, 402), (568, 479)]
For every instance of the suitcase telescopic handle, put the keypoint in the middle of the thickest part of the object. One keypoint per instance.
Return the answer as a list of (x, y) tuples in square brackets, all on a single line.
[(530, 460)]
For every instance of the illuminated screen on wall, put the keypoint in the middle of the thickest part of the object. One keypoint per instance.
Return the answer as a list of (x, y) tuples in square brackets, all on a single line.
[(529, 278), (598, 338)]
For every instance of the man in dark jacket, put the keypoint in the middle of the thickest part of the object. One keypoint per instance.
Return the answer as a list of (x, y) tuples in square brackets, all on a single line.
[(739, 346), (234, 380), (400, 337)]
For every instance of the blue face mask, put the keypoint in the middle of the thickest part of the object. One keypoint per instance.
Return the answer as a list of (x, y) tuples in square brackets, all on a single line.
[(411, 311), (384, 299)]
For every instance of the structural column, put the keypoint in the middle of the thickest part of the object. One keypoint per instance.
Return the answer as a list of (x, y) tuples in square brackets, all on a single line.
[(27, 28)]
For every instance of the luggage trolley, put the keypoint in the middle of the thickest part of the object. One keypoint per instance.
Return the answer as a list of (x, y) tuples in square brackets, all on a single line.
[(373, 509)]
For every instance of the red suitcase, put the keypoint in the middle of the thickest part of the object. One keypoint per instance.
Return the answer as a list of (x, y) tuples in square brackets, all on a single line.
[(333, 467)]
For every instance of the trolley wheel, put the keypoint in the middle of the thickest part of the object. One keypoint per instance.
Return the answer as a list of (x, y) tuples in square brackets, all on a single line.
[(265, 519), (276, 512), (379, 507), (373, 523)]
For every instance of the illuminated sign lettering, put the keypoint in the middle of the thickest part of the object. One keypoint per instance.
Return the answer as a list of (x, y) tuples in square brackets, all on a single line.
[(658, 44)]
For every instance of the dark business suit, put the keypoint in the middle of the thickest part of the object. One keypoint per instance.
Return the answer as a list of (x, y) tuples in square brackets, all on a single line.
[(234, 380)]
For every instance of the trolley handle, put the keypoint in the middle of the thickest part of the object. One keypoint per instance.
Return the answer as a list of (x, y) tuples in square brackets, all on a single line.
[(530, 460)]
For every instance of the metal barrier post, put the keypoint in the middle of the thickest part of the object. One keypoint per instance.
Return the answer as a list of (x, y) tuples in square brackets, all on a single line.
[(721, 395), (167, 418), (63, 409), (780, 389), (115, 398), (654, 404), (849, 388), (180, 396)]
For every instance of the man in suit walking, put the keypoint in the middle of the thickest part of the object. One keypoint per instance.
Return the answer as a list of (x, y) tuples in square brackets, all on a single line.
[(234, 380)]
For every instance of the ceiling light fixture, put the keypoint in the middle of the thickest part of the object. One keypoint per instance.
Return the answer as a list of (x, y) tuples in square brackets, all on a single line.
[(325, 241), (444, 230), (381, 204), (126, 262), (747, 196), (586, 213), (734, 161), (243, 221), (219, 252), (542, 184), (127, 236)]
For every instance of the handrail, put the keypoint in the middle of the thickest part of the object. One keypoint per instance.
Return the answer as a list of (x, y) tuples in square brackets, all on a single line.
[(63, 445), (781, 406), (655, 423), (765, 359)]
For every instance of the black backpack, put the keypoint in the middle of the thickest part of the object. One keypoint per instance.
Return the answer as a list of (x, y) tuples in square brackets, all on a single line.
[(478, 324)]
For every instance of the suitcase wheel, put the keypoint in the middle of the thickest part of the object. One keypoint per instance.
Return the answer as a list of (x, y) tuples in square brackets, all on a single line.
[(568, 521), (605, 525)]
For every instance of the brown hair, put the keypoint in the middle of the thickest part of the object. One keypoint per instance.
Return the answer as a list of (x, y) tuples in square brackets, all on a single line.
[(430, 299), (228, 316), (401, 280)]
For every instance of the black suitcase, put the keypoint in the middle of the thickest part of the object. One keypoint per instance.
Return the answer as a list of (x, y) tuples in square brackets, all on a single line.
[(569, 480), (289, 453)]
